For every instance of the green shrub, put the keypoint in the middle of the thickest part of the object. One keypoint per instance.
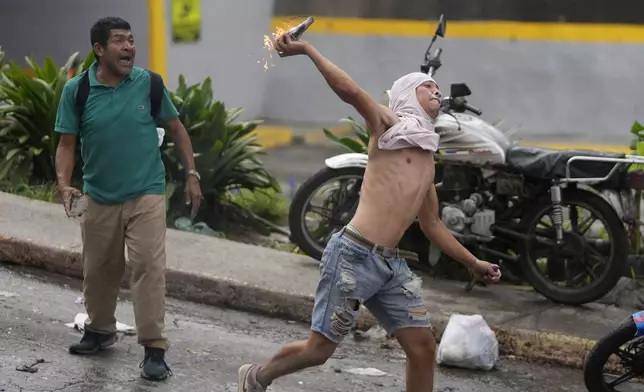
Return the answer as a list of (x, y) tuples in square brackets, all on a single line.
[(362, 134), (266, 203), (45, 192), (226, 156), (28, 104)]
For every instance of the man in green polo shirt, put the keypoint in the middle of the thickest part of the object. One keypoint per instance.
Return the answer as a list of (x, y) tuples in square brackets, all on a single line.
[(124, 181)]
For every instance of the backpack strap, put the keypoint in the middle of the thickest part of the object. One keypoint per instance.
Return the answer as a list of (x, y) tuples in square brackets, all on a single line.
[(156, 93), (81, 96)]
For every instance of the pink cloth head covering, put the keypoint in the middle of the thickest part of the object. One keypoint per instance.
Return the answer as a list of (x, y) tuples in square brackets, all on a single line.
[(416, 127)]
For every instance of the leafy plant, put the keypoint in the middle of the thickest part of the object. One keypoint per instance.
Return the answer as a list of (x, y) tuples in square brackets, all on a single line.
[(361, 133), (226, 154), (45, 192), (266, 203), (28, 104), (637, 144)]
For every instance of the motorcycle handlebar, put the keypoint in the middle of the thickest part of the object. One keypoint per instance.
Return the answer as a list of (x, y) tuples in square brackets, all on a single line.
[(459, 103), (473, 109)]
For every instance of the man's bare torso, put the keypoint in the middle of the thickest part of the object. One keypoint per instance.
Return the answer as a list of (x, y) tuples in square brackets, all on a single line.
[(394, 187)]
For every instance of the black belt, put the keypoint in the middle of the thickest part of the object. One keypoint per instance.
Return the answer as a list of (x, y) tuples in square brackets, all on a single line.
[(384, 251)]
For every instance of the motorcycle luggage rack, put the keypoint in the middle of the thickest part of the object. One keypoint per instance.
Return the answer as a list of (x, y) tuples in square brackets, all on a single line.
[(628, 159)]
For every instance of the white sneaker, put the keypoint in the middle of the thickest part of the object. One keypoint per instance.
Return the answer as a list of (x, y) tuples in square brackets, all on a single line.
[(246, 381)]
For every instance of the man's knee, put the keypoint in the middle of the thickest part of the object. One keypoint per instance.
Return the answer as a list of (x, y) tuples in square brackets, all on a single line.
[(319, 349), (423, 348)]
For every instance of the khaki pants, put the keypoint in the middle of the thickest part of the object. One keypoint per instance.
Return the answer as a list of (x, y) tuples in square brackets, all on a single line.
[(139, 224)]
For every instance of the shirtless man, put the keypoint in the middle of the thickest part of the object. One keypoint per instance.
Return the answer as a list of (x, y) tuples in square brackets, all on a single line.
[(361, 264)]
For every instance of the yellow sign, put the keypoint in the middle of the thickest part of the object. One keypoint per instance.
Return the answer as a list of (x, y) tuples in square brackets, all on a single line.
[(186, 20)]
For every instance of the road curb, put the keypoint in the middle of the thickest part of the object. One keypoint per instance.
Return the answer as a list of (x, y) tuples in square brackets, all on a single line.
[(534, 346)]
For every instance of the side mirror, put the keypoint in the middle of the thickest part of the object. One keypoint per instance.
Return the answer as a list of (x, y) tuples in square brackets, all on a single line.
[(459, 90), (442, 27)]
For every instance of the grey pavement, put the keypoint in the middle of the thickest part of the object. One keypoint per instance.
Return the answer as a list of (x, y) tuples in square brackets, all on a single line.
[(272, 271), (208, 345)]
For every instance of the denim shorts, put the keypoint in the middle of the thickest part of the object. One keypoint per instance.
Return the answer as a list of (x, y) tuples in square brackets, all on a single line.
[(351, 274)]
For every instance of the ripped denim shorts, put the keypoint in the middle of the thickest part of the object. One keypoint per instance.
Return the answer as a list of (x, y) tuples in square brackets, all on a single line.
[(351, 274)]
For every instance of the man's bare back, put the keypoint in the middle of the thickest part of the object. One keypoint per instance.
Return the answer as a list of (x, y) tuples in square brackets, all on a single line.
[(395, 185)]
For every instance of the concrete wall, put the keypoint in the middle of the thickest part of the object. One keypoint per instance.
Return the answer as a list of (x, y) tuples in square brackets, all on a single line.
[(553, 90), (230, 52), (60, 28), (591, 11), (550, 89)]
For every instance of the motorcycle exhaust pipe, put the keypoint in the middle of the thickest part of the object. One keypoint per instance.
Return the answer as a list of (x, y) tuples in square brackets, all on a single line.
[(498, 254), (506, 232), (470, 238)]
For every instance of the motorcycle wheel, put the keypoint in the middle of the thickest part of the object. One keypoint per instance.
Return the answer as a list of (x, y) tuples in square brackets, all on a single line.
[(617, 261), (608, 345), (300, 206)]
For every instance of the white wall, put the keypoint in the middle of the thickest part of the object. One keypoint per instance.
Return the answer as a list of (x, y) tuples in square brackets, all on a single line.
[(229, 51)]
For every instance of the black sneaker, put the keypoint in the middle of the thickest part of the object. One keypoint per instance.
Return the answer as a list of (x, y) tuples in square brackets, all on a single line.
[(92, 342), (153, 366)]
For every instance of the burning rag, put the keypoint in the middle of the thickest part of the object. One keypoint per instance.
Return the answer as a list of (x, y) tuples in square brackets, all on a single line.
[(416, 127)]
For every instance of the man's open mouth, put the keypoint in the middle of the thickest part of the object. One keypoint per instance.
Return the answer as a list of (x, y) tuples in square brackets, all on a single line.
[(126, 60)]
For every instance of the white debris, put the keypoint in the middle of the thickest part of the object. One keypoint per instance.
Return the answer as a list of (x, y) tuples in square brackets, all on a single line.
[(365, 372), (79, 324), (7, 294)]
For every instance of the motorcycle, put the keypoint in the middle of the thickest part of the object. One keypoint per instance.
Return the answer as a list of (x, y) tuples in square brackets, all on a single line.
[(630, 359), (506, 203)]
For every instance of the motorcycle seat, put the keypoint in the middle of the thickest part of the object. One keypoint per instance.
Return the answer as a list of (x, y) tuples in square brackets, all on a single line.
[(548, 164)]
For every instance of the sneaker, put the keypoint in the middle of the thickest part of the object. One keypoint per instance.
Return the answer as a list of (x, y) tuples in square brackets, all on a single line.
[(246, 381), (153, 366), (92, 342)]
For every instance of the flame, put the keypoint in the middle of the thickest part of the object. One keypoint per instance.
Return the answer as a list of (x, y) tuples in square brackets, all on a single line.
[(268, 43)]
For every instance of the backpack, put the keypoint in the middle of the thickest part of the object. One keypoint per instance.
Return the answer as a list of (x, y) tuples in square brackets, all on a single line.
[(156, 94)]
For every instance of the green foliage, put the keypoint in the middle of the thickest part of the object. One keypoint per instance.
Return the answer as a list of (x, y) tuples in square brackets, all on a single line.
[(360, 132), (637, 145), (28, 104), (266, 203), (226, 152), (636, 129), (44, 192)]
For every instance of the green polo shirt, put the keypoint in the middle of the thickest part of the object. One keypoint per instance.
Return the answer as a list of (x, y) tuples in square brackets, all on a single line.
[(119, 141)]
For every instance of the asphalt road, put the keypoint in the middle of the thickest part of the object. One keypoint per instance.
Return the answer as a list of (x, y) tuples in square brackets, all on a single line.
[(295, 164), (208, 346)]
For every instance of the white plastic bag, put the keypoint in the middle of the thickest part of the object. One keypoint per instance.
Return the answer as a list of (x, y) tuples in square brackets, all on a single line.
[(468, 342)]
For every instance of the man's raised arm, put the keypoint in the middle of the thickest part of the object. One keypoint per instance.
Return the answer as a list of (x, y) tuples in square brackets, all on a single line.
[(378, 117)]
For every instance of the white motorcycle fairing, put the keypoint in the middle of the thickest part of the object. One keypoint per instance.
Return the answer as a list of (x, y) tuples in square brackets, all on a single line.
[(351, 159), (468, 140)]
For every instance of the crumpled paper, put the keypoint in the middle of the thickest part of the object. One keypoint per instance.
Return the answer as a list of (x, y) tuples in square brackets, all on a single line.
[(365, 372), (79, 325)]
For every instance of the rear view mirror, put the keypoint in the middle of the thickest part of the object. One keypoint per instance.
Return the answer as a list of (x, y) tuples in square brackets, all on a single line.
[(459, 90), (442, 26)]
